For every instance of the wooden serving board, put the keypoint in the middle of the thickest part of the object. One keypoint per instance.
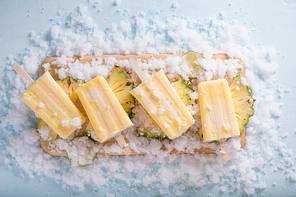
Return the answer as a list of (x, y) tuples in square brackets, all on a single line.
[(142, 57)]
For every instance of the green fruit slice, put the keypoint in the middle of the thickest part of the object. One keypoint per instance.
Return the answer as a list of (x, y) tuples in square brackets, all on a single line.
[(189, 59), (90, 133), (121, 84), (150, 130), (45, 131), (81, 151), (199, 132)]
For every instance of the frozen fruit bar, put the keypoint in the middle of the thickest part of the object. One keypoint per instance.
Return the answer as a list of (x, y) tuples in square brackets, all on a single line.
[(104, 111), (163, 104), (46, 98), (217, 111)]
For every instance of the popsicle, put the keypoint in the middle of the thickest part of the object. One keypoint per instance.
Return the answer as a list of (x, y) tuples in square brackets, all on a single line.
[(104, 111), (217, 112), (161, 101), (46, 98)]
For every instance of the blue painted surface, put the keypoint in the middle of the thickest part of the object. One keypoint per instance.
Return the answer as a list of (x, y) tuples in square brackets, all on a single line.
[(272, 23)]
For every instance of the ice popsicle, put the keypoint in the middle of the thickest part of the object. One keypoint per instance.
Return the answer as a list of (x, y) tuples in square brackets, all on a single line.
[(104, 111), (217, 111), (46, 98), (218, 116), (161, 101)]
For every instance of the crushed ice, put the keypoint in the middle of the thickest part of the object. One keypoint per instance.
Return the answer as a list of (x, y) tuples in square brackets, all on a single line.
[(170, 174)]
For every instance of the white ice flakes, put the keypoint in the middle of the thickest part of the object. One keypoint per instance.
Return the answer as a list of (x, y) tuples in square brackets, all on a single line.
[(170, 174)]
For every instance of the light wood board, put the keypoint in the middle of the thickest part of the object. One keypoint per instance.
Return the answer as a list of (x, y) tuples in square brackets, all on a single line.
[(142, 57)]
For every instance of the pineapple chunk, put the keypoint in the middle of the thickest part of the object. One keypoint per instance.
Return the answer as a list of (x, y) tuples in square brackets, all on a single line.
[(242, 100), (121, 84), (183, 90), (70, 86)]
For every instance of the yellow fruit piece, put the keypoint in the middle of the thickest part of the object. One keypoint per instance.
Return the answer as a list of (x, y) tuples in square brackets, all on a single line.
[(70, 86), (243, 101), (121, 84)]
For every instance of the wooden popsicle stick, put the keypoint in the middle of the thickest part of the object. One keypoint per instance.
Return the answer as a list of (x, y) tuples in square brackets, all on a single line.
[(224, 149), (124, 146), (137, 69), (23, 74)]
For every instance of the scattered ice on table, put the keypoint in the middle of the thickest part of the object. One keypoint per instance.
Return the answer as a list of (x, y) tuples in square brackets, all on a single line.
[(116, 2), (158, 170), (175, 5), (261, 186), (55, 30)]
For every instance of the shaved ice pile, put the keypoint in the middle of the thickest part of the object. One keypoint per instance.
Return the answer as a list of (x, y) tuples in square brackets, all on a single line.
[(159, 171)]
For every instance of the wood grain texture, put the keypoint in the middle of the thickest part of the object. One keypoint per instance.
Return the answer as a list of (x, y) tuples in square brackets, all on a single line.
[(142, 58)]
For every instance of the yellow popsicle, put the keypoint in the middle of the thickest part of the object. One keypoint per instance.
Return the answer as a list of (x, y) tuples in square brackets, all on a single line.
[(46, 98), (161, 101), (103, 109), (217, 111)]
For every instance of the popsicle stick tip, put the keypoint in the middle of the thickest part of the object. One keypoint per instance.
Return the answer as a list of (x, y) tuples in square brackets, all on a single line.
[(224, 149), (137, 69), (226, 157), (126, 149), (23, 74), (15, 65)]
